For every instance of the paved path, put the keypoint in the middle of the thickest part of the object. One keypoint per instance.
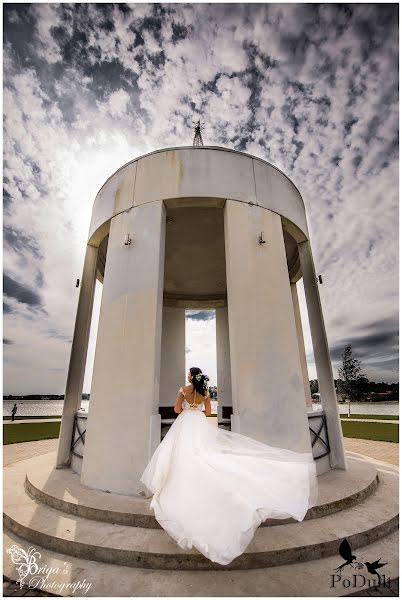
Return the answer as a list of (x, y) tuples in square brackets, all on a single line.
[(14, 452), (385, 451)]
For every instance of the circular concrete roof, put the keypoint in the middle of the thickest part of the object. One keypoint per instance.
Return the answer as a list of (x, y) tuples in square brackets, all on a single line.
[(198, 176)]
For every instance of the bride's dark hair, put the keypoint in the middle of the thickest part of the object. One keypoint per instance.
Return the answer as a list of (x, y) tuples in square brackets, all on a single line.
[(200, 385)]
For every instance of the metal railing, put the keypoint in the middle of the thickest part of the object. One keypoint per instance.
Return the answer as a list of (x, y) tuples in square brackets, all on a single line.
[(74, 440), (317, 436)]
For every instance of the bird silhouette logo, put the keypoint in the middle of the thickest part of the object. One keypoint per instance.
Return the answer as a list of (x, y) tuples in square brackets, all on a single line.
[(372, 568), (345, 551)]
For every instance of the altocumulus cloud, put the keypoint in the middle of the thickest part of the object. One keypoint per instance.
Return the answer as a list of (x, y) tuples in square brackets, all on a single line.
[(312, 88), (200, 315)]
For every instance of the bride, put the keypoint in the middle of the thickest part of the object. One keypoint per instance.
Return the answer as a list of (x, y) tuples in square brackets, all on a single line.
[(212, 488)]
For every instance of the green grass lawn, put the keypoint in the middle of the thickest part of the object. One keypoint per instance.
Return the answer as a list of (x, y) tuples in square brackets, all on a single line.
[(28, 432), (383, 432), (388, 417), (20, 418)]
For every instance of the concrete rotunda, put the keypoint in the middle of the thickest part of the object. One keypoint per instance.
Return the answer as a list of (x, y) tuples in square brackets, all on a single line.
[(183, 228)]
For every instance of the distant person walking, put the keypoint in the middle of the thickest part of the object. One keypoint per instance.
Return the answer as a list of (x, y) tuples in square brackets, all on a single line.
[(14, 410)]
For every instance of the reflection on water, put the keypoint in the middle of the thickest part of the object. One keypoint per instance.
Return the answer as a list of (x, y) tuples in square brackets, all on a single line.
[(37, 408)]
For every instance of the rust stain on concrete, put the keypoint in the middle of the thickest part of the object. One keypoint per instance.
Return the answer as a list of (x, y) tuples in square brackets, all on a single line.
[(176, 165)]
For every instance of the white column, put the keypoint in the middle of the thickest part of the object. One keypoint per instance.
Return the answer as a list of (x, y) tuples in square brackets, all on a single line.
[(267, 381), (173, 358), (300, 339), (224, 383), (123, 426), (322, 358), (78, 356)]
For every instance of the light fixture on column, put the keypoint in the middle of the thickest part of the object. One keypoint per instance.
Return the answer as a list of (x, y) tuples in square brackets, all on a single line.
[(77, 283), (261, 238), (319, 278), (127, 240)]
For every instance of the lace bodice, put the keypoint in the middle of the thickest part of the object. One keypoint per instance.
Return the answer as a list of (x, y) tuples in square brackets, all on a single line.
[(192, 405)]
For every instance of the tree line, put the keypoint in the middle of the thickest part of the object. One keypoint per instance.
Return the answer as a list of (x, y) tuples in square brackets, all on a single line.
[(353, 385)]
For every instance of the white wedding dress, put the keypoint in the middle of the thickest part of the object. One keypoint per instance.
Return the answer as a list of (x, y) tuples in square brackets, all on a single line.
[(212, 488)]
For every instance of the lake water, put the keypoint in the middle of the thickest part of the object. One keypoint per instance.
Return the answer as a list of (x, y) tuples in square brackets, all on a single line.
[(366, 408), (36, 408)]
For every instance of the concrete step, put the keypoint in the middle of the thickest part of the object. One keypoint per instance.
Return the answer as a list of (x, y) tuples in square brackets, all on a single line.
[(362, 524), (71, 576), (62, 489)]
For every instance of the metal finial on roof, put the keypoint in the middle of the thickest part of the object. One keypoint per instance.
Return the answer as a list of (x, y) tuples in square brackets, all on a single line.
[(197, 141)]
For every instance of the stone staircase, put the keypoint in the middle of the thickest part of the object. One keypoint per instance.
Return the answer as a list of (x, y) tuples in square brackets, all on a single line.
[(95, 533)]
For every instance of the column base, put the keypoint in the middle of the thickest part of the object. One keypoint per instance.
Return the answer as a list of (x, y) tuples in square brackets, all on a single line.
[(235, 423), (154, 433)]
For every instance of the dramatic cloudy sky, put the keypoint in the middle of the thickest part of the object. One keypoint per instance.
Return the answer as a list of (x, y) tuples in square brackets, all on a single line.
[(312, 88)]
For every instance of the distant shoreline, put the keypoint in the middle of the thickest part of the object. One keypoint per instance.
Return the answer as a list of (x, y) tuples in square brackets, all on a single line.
[(385, 401)]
